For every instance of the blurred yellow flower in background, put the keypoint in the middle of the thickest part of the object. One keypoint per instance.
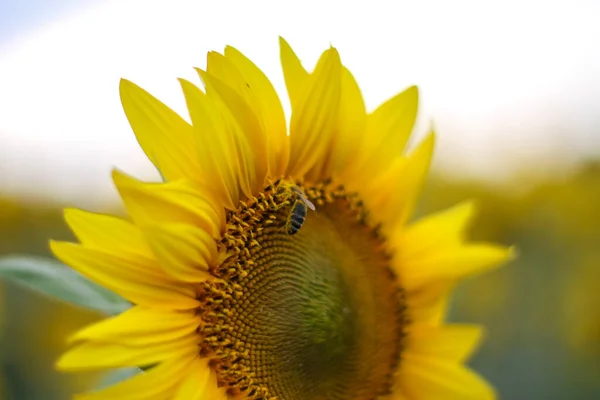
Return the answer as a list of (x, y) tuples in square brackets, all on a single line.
[(270, 265)]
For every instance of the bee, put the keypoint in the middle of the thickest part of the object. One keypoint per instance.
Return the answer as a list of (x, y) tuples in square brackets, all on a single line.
[(298, 212)]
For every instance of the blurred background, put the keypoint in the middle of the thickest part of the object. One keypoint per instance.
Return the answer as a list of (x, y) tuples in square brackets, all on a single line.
[(512, 88)]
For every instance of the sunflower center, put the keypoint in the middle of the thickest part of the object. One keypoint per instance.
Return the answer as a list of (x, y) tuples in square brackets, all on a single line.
[(306, 306)]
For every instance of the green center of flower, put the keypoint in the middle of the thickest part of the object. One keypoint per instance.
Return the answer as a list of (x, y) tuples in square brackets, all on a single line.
[(306, 307)]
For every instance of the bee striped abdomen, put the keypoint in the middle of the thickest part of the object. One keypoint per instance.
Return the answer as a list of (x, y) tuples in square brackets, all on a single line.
[(296, 218)]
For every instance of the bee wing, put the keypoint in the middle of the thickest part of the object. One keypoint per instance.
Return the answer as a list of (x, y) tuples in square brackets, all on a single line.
[(300, 194), (307, 202)]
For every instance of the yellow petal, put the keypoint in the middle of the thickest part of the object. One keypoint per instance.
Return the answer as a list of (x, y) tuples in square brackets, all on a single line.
[(223, 69), (296, 77), (243, 125), (388, 130), (450, 264), (149, 203), (143, 284), (213, 391), (393, 194), (350, 128), (158, 383), (443, 229), (380, 190), (183, 251), (217, 147), (428, 304), (108, 233), (263, 98), (140, 326), (315, 116), (96, 355), (165, 137), (199, 383), (430, 378), (453, 343), (408, 188)]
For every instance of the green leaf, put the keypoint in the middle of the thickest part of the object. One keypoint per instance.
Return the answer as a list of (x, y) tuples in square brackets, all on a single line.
[(59, 281)]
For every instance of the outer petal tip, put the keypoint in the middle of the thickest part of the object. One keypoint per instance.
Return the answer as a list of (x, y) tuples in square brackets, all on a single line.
[(120, 178), (467, 210), (335, 55), (66, 363), (126, 86), (70, 214), (413, 93), (283, 42), (58, 247), (430, 138)]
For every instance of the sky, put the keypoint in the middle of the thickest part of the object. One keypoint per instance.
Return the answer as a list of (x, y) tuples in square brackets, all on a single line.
[(510, 86)]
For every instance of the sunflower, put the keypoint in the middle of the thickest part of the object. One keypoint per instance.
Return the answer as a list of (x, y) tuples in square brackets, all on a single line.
[(270, 265)]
